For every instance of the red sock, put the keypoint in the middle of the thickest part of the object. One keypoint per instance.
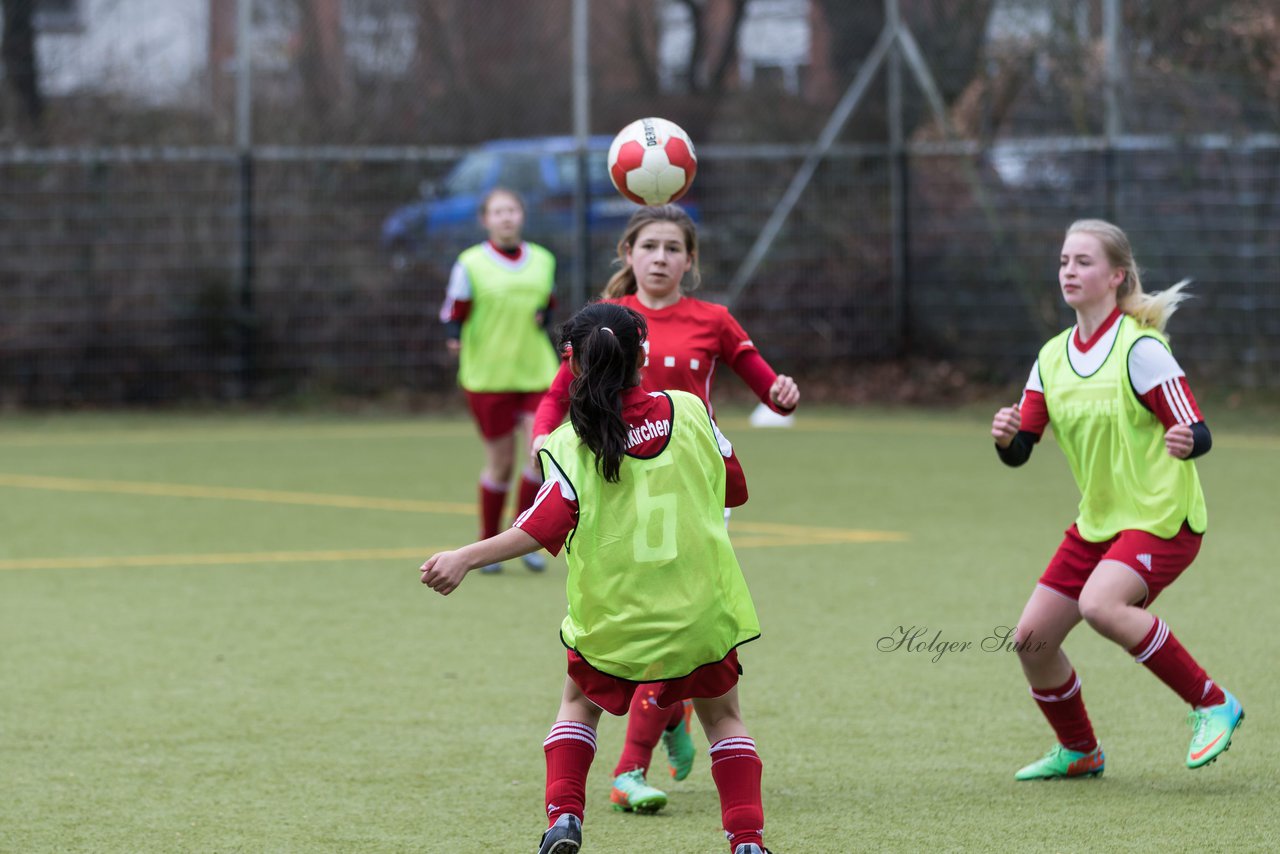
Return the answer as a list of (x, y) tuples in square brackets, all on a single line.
[(1063, 707), (492, 498), (570, 748), (736, 768), (645, 723), (530, 483), (1170, 661)]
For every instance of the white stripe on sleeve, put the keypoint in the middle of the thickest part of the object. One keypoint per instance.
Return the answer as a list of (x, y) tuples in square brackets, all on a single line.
[(1177, 401)]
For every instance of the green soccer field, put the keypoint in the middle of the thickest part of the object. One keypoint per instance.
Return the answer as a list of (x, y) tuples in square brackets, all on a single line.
[(213, 639)]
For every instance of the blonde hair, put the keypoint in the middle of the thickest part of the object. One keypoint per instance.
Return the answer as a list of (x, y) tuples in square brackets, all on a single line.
[(623, 282), (1153, 309)]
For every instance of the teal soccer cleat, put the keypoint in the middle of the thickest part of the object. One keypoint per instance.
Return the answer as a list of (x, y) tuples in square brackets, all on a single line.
[(1060, 763), (1212, 728)]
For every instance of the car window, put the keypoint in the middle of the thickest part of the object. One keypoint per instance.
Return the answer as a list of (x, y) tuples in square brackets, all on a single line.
[(471, 175), (597, 169), (520, 172)]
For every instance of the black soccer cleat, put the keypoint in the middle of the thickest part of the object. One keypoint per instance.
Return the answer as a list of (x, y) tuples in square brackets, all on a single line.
[(563, 837)]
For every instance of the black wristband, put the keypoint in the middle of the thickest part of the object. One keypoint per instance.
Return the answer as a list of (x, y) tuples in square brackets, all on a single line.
[(1019, 450), (1201, 440)]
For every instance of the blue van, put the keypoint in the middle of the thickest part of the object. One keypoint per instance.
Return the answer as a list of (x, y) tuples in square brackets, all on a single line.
[(542, 170)]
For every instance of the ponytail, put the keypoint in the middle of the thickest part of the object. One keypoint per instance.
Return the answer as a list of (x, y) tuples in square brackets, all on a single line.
[(605, 341), (1154, 309)]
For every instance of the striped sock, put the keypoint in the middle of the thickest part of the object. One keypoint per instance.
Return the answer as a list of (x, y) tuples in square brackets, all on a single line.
[(1164, 656), (569, 748), (1063, 707), (736, 769)]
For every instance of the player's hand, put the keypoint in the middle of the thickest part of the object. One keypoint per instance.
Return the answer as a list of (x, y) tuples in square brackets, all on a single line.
[(784, 392), (535, 445), (444, 571), (454, 346), (1178, 441), (1005, 425)]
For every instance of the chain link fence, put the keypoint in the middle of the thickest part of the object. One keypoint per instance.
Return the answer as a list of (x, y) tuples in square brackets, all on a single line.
[(163, 238)]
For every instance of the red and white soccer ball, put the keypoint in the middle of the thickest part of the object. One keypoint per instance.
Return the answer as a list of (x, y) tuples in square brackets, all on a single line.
[(651, 162)]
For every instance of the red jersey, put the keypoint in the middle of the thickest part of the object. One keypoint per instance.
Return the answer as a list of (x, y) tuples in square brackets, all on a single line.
[(687, 341)]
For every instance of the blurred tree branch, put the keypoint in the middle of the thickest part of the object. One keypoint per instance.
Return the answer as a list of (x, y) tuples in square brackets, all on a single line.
[(18, 55)]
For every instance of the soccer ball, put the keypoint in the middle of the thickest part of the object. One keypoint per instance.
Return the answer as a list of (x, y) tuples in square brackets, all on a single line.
[(651, 162)]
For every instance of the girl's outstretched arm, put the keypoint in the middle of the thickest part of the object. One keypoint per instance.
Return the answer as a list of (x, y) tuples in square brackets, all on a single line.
[(444, 571)]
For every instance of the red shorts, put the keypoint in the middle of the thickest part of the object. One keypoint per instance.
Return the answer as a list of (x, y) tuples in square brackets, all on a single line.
[(498, 412), (1158, 562), (614, 695)]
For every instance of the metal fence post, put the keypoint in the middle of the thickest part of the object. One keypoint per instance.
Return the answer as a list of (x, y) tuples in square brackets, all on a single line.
[(898, 216), (581, 130), (244, 148)]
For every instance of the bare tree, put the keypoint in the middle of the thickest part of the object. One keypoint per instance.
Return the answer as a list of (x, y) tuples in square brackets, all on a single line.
[(18, 55)]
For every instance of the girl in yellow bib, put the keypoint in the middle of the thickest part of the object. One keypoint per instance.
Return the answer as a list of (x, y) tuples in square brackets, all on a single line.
[(495, 312), (635, 490), (1125, 418)]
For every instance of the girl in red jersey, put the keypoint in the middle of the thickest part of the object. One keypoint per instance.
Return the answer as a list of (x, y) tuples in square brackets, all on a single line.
[(496, 310), (687, 339), (635, 491), (1129, 426)]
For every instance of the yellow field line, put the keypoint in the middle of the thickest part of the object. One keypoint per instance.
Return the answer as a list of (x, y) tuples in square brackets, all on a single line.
[(119, 436), (272, 496), (841, 535), (803, 533), (227, 558), (267, 557)]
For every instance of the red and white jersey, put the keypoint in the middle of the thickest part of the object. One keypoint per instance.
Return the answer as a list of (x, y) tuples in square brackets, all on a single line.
[(687, 341), (1157, 378), (554, 512)]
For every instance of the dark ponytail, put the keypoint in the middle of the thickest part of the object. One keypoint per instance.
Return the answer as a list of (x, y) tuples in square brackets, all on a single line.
[(605, 341)]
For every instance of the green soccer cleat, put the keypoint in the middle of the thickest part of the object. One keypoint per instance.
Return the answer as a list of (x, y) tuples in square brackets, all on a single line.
[(1212, 728), (1060, 763), (679, 745), (632, 794)]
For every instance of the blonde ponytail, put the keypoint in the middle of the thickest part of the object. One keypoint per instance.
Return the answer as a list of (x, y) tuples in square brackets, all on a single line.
[(1154, 309)]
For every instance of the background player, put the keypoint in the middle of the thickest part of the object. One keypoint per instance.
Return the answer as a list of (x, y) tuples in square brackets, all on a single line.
[(1129, 426), (496, 309), (688, 339), (635, 491)]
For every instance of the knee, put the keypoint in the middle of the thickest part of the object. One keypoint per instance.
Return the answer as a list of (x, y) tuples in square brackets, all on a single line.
[(1032, 646), (1098, 612)]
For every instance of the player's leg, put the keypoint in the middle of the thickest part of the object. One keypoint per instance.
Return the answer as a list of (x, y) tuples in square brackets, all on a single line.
[(1047, 619), (530, 477), (645, 723), (736, 769), (494, 479), (1138, 568), (495, 418), (569, 748)]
